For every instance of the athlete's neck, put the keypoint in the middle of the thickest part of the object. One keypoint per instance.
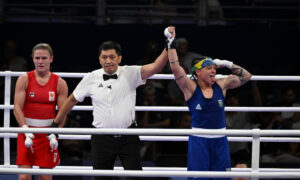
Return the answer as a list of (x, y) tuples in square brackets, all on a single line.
[(43, 75), (203, 85), (42, 78)]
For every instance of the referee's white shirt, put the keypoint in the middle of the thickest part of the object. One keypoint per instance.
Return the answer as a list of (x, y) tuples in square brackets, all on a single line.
[(113, 100)]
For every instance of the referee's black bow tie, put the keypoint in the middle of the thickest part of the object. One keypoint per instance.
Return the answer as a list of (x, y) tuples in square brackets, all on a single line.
[(107, 77)]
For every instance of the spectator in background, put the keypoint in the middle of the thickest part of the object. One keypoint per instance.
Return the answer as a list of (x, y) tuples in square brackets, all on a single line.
[(184, 55), (281, 152), (288, 99), (174, 153), (241, 164), (287, 153), (215, 13), (73, 151), (183, 121), (270, 150), (266, 121), (70, 149), (241, 120), (151, 119), (13, 62), (152, 50)]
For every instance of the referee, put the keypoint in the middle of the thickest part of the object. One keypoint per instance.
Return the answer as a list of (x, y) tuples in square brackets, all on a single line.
[(113, 92)]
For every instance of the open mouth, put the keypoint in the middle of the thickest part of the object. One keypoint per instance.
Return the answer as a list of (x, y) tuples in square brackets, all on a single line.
[(212, 77)]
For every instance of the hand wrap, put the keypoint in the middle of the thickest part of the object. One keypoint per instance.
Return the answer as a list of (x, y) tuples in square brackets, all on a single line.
[(223, 63), (170, 41), (52, 142), (28, 141), (52, 137)]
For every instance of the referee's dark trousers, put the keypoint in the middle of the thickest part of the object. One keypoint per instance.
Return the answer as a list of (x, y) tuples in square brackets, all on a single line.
[(105, 149)]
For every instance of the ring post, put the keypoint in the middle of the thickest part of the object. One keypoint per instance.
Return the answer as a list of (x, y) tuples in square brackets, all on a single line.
[(6, 122), (255, 152)]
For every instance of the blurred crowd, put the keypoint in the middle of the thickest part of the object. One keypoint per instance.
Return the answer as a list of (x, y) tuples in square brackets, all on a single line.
[(167, 93)]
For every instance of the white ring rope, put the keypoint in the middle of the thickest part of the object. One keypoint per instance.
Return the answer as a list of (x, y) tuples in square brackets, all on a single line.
[(135, 173), (164, 76), (183, 108), (170, 138), (143, 131), (164, 168)]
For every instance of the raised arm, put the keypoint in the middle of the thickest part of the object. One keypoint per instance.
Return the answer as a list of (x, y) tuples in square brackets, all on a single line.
[(186, 85), (155, 67), (19, 100), (62, 94), (238, 77)]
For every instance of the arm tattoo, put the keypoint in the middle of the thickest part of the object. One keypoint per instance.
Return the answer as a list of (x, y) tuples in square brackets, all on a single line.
[(233, 79), (173, 62), (240, 73), (180, 77)]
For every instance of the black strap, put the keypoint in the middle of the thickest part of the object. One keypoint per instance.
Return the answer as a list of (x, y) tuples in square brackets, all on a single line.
[(173, 45), (54, 125), (133, 125)]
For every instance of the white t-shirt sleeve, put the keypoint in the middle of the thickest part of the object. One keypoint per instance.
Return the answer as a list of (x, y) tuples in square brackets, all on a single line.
[(82, 89), (136, 75)]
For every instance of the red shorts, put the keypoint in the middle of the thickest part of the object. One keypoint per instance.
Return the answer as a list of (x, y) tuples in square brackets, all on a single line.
[(42, 155)]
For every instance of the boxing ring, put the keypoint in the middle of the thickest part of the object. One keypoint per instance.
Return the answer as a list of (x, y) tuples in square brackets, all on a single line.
[(255, 136)]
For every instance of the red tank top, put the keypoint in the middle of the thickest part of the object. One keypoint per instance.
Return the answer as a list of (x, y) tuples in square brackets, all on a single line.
[(40, 100)]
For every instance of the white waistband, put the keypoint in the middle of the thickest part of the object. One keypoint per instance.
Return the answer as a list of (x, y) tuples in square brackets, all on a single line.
[(208, 136), (38, 122)]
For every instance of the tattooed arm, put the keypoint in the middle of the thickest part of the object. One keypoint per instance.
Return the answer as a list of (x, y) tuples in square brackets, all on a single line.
[(238, 77), (186, 85)]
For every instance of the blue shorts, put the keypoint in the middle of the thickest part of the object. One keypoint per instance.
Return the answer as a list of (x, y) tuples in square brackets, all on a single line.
[(208, 154)]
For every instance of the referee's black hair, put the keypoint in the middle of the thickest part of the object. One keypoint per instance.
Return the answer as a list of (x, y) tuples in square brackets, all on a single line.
[(110, 45)]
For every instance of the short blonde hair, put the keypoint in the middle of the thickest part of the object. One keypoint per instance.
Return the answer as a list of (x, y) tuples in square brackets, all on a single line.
[(43, 46)]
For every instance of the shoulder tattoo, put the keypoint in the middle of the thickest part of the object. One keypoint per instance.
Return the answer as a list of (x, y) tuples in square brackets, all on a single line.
[(240, 73)]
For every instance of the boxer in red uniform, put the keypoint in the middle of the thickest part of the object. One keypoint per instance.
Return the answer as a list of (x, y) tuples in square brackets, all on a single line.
[(36, 96)]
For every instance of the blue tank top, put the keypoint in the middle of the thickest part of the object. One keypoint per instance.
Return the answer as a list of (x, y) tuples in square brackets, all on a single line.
[(207, 113)]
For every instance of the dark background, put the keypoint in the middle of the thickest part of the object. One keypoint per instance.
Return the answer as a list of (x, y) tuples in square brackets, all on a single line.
[(266, 51)]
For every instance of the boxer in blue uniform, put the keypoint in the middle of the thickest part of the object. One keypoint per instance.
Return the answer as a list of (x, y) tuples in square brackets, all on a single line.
[(204, 95)]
